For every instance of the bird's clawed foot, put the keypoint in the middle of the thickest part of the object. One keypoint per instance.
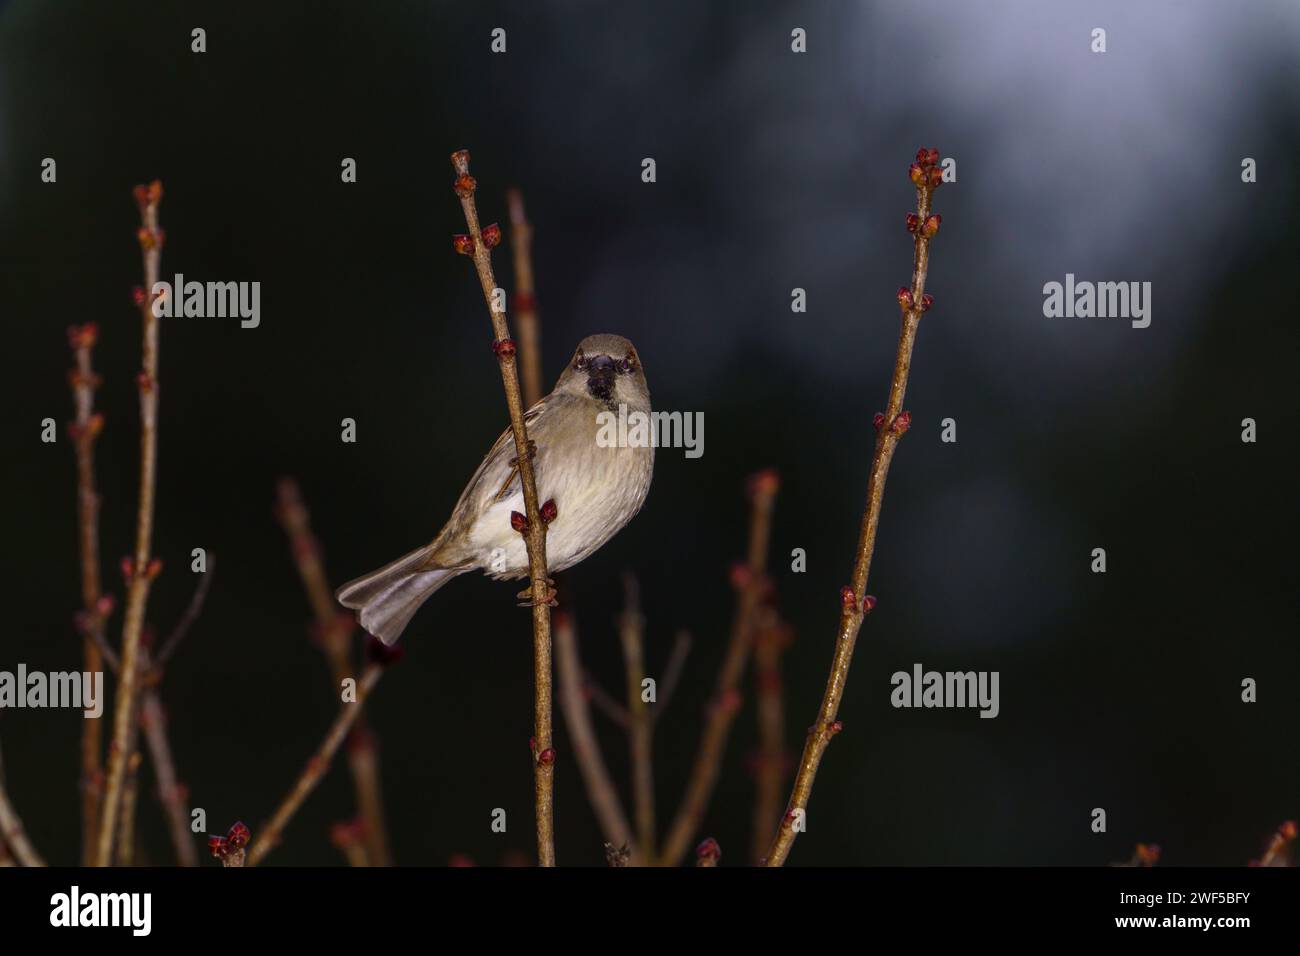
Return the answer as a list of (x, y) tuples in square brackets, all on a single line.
[(532, 454), (526, 595)]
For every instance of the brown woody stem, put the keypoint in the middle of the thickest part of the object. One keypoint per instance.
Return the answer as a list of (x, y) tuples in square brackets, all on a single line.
[(852, 612), (142, 575), (530, 349), (336, 633), (171, 793), (771, 767), (601, 791), (12, 834), (534, 532), (268, 835), (725, 703), (84, 381), (640, 728)]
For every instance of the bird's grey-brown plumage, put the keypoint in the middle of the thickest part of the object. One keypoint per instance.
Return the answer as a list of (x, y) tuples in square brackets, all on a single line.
[(597, 487)]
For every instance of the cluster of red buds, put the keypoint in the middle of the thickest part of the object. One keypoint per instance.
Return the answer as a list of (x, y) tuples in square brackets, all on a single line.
[(901, 423), (504, 348), (151, 570), (83, 336), (926, 228), (149, 195), (925, 172), (907, 303), (151, 238), (849, 601), (708, 853), (229, 849), (465, 183)]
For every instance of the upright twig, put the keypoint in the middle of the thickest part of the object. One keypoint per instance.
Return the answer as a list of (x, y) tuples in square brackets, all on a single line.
[(752, 582), (171, 792), (631, 633), (890, 425), (84, 430), (530, 347), (152, 721), (771, 637), (12, 834), (336, 632), (143, 567), (268, 836), (478, 244), (601, 791), (124, 849)]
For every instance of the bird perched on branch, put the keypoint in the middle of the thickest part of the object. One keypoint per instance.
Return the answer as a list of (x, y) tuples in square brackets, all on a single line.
[(591, 487)]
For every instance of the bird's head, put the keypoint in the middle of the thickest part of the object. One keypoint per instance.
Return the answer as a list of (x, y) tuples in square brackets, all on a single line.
[(606, 368)]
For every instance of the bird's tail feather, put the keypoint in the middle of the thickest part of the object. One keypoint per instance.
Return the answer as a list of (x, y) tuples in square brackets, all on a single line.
[(387, 599)]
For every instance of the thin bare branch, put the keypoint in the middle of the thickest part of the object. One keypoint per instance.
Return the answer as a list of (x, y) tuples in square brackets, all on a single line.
[(640, 730), (268, 836), (478, 244), (171, 792), (601, 791), (192, 612), (337, 632), (530, 348), (751, 579), (606, 704), (143, 567), (1276, 853), (855, 603), (85, 429), (124, 851), (771, 768), (672, 672), (12, 834)]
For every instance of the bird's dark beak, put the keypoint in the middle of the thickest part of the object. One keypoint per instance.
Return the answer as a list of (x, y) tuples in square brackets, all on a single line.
[(600, 377)]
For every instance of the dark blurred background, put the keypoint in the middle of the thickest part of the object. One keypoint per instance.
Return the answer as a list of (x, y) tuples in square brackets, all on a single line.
[(775, 170)]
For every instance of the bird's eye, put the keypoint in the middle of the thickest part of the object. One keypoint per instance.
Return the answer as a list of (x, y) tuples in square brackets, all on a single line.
[(580, 362), (625, 365)]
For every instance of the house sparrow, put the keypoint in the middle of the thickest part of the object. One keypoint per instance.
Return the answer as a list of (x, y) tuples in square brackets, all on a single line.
[(596, 491)]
